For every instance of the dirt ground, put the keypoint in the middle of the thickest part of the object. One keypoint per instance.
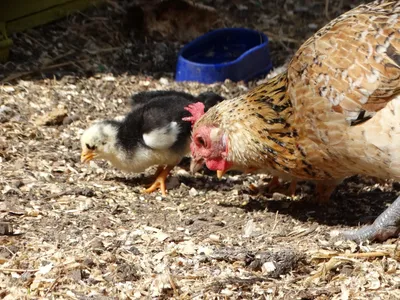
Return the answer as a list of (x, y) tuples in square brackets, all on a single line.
[(73, 231)]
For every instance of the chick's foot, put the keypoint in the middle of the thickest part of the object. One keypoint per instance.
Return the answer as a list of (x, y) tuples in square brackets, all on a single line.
[(161, 176)]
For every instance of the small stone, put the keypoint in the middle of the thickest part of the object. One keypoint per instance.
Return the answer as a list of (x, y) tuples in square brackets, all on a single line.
[(313, 26), (268, 267), (69, 119), (109, 78), (172, 183), (8, 89), (193, 192), (205, 251), (278, 196), (6, 228), (214, 237), (227, 292), (164, 81)]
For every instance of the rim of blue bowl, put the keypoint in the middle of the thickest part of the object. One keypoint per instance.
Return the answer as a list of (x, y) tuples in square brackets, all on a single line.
[(213, 32)]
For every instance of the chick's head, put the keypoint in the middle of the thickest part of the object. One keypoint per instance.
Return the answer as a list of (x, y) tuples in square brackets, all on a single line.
[(99, 141)]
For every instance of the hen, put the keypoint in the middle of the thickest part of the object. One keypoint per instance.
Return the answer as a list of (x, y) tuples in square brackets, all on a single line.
[(153, 133), (334, 113)]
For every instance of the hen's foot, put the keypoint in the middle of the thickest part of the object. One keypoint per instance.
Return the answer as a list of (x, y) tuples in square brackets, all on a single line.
[(385, 226)]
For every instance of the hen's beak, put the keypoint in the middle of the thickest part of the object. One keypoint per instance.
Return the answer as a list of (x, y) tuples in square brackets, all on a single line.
[(87, 155), (196, 165), (220, 173)]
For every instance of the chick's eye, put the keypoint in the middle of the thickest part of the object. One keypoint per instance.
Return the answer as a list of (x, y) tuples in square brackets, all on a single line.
[(90, 147)]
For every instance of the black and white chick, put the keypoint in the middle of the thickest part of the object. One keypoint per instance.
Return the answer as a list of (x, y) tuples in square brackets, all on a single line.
[(153, 133)]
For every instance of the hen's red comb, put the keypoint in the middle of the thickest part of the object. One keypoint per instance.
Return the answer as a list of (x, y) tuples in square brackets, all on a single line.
[(196, 109)]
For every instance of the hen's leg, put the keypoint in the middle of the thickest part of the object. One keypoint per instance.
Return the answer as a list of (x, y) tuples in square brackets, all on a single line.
[(385, 226), (161, 176), (324, 190), (273, 184), (292, 188)]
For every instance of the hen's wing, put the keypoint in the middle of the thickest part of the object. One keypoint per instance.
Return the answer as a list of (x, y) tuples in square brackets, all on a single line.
[(354, 62)]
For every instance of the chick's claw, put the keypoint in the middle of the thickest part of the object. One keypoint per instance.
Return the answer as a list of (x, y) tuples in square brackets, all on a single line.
[(159, 182)]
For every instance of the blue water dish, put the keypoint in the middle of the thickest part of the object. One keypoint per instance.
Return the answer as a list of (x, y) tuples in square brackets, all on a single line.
[(229, 53)]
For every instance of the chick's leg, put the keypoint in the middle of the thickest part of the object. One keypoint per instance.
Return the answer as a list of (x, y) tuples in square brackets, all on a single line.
[(161, 175), (385, 226)]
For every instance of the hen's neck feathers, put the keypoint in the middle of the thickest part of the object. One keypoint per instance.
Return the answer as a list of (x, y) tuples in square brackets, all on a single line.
[(258, 123)]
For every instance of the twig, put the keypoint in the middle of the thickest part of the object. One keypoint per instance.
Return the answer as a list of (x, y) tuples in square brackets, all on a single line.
[(102, 50), (276, 221), (61, 56), (219, 229), (57, 195), (292, 236), (22, 74), (18, 270), (52, 285), (282, 38), (327, 10), (352, 255)]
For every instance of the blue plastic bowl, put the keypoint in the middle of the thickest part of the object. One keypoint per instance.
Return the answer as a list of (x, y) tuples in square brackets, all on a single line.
[(228, 53)]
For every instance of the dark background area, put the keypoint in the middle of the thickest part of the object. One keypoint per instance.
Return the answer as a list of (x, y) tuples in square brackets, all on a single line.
[(144, 37)]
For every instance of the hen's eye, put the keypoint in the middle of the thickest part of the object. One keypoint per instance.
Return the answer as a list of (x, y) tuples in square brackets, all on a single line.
[(200, 141)]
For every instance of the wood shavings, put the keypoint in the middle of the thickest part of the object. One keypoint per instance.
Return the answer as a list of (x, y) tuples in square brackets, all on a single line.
[(208, 239)]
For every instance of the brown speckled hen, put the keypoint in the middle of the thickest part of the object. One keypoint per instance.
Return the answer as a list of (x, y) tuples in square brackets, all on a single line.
[(334, 113)]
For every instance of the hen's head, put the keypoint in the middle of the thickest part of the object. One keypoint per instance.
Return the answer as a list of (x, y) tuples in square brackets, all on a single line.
[(209, 142)]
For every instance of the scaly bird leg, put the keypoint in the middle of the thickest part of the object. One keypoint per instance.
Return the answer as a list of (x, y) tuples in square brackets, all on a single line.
[(291, 192), (158, 171), (273, 184), (324, 190), (161, 176), (385, 226)]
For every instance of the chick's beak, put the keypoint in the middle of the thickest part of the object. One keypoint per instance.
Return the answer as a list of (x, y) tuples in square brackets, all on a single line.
[(87, 155)]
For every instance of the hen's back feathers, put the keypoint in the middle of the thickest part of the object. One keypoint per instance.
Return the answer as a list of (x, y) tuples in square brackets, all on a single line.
[(341, 77), (353, 62)]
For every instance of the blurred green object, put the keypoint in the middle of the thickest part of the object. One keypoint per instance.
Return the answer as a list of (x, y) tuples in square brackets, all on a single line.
[(5, 43), (19, 15)]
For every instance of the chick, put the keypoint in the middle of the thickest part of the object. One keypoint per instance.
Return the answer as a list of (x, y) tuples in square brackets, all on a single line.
[(153, 133)]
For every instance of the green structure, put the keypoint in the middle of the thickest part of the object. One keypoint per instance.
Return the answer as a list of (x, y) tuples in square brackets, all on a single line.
[(18, 15)]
